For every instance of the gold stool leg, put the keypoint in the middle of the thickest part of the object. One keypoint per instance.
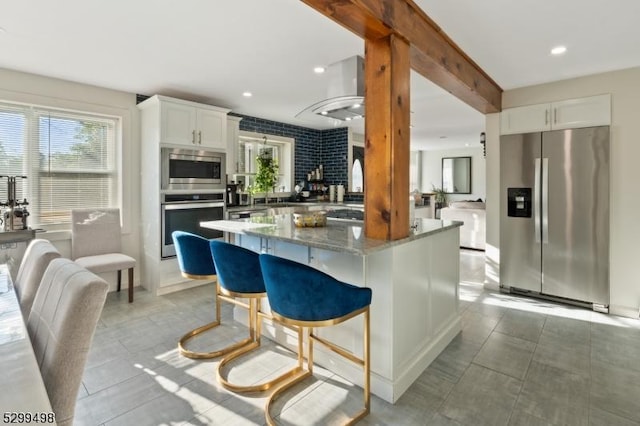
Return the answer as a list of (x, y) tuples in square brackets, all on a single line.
[(213, 354), (293, 376), (364, 362), (256, 324)]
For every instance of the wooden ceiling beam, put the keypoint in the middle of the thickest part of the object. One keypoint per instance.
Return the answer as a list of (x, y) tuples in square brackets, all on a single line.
[(433, 54)]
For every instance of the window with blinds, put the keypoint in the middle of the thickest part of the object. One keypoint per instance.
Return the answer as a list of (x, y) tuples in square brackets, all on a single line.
[(69, 160)]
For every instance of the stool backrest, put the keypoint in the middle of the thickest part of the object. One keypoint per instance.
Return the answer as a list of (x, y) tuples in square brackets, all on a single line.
[(36, 258), (300, 292), (194, 255), (238, 268), (61, 325)]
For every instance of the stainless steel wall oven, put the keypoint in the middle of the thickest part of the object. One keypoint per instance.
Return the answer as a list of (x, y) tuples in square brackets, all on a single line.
[(192, 169), (184, 212)]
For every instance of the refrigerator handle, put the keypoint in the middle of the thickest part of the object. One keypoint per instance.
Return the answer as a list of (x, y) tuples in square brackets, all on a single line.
[(536, 201), (545, 201)]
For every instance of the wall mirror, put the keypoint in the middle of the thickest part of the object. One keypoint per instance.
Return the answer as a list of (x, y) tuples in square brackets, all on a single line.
[(456, 175)]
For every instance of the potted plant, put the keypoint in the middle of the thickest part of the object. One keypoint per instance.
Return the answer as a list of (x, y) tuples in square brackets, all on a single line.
[(267, 174), (440, 199)]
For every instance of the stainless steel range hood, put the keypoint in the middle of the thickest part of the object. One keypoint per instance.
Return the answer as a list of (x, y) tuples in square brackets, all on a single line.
[(345, 92)]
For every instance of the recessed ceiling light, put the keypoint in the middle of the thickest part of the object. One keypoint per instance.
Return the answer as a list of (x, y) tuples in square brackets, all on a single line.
[(558, 50), (324, 113), (247, 94), (355, 106), (319, 70), (348, 118)]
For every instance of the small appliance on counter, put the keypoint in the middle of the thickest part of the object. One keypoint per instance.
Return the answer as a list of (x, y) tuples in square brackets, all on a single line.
[(235, 196), (14, 212)]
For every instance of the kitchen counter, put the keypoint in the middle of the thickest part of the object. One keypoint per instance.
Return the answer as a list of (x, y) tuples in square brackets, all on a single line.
[(414, 309), (340, 236)]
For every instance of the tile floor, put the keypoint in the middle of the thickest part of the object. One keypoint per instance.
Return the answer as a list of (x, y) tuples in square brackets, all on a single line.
[(517, 362)]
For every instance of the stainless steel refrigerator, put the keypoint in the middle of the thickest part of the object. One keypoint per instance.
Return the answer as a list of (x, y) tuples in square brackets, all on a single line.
[(554, 220)]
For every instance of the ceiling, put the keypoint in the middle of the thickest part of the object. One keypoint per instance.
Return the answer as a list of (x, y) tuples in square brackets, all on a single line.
[(213, 51)]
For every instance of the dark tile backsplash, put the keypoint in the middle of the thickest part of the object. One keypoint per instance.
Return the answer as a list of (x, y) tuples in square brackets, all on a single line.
[(313, 147)]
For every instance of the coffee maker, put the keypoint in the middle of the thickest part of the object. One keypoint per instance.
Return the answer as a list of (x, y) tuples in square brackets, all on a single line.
[(232, 197), (14, 212)]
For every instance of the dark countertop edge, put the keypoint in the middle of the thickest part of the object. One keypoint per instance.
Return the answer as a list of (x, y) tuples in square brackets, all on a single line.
[(362, 252)]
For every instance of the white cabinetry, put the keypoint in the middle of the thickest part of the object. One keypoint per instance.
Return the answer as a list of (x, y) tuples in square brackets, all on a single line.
[(233, 136), (568, 114), (195, 125), (169, 122)]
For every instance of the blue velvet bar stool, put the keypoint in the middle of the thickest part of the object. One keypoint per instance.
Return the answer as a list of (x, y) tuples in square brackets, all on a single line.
[(195, 261), (305, 297), (240, 276)]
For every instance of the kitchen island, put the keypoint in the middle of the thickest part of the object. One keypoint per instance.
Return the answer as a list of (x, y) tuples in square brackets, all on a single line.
[(414, 311)]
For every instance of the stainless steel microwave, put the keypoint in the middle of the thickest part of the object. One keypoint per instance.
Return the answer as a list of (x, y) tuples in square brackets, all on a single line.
[(192, 169)]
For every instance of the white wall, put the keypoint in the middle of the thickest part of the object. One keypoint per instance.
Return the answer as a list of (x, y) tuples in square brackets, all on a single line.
[(432, 171), (624, 87), (33, 89)]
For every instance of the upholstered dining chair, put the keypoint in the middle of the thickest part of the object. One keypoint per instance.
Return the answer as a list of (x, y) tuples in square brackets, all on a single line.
[(96, 243), (305, 297), (37, 256), (61, 325)]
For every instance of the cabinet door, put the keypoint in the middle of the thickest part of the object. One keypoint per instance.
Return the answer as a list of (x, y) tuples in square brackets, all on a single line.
[(211, 131), (525, 119), (178, 124), (584, 112), (233, 135)]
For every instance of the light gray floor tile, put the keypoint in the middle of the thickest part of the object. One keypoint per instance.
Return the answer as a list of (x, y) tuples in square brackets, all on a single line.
[(522, 324), (520, 418), (616, 390), (455, 359), (568, 403), (616, 345), (599, 417), (506, 354), (108, 374), (482, 397), (172, 408), (332, 401), (566, 354), (116, 400)]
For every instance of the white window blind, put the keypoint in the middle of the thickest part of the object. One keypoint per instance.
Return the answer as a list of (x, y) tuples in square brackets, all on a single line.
[(69, 159)]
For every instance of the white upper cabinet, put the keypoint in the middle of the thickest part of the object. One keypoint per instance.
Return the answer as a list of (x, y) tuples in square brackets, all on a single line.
[(233, 137), (569, 114), (195, 125)]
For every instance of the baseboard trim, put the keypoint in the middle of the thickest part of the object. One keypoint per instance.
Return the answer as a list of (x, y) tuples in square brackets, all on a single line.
[(624, 311)]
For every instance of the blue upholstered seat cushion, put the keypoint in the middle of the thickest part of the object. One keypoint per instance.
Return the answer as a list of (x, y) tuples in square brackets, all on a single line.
[(194, 256), (300, 292), (238, 268)]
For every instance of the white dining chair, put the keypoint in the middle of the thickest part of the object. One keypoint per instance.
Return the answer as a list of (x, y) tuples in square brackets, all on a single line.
[(96, 243)]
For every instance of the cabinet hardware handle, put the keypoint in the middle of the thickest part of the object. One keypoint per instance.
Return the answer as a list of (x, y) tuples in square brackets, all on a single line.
[(193, 137), (555, 116), (200, 137), (546, 117)]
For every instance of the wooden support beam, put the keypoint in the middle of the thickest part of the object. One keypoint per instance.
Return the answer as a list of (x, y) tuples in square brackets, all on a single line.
[(433, 54), (387, 97)]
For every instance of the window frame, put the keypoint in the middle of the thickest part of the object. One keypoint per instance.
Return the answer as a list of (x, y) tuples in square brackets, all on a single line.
[(31, 144)]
